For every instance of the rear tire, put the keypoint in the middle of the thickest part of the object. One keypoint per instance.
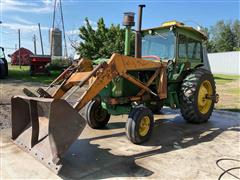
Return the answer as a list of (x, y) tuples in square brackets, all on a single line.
[(195, 108), (140, 124), (2, 71), (96, 116)]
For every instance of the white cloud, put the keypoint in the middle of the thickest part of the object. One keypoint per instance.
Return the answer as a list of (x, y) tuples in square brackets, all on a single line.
[(18, 19), (92, 23), (72, 32), (45, 6), (24, 27), (48, 2)]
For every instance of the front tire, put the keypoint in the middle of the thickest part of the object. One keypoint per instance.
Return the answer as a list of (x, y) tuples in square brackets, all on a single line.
[(194, 104), (96, 116), (139, 126)]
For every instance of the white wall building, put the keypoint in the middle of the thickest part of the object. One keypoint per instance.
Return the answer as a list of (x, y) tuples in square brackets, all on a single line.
[(225, 62)]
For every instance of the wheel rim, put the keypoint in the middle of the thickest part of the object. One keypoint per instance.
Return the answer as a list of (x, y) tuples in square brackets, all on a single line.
[(144, 126), (204, 103), (99, 113)]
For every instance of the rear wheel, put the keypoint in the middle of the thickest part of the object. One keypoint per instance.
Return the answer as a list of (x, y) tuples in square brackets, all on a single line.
[(96, 116), (197, 90), (2, 70), (139, 126)]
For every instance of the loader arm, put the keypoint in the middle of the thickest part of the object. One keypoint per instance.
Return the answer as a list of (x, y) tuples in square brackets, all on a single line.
[(118, 65), (48, 126)]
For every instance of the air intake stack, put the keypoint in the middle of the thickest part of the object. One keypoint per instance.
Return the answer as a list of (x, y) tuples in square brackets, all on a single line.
[(128, 22)]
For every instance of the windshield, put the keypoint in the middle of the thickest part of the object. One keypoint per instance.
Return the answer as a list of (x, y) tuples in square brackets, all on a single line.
[(161, 45), (1, 54)]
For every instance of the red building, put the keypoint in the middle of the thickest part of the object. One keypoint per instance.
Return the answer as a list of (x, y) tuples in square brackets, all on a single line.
[(24, 56)]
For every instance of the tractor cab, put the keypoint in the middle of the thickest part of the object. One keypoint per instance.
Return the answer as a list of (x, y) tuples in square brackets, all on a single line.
[(173, 41)]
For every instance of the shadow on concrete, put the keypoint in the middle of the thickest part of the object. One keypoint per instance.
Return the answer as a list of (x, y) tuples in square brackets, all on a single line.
[(177, 134), (93, 162), (230, 109)]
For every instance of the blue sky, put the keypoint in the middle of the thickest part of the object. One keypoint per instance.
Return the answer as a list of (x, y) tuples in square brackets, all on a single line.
[(25, 14)]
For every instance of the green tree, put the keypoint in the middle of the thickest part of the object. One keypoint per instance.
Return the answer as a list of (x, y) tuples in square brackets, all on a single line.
[(209, 44), (224, 36), (102, 41), (236, 31)]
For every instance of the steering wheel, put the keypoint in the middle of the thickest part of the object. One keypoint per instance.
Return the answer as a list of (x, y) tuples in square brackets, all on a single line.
[(152, 56)]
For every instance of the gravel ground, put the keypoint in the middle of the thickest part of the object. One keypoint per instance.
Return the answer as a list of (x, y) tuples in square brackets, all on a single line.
[(177, 150), (5, 116), (10, 87)]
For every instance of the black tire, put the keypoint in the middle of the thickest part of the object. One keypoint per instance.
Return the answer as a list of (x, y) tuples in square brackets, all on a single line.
[(133, 124), (188, 96), (31, 73), (2, 71), (96, 116), (6, 67)]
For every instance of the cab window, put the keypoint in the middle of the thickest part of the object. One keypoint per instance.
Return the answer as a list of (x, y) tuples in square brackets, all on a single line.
[(189, 48), (182, 46), (194, 49)]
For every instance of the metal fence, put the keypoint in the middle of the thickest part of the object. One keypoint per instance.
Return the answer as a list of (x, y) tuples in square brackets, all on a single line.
[(225, 63)]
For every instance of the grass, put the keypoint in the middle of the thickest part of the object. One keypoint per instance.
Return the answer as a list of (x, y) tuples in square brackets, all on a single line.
[(223, 79), (234, 91), (229, 94), (23, 74)]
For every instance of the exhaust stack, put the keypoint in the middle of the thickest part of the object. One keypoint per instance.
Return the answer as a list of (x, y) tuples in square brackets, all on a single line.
[(138, 37), (128, 22)]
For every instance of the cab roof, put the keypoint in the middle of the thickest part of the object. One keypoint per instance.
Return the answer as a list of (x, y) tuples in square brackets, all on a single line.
[(178, 25)]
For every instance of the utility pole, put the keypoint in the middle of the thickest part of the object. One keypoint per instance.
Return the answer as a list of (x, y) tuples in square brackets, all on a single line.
[(40, 34), (19, 46), (64, 37), (34, 44)]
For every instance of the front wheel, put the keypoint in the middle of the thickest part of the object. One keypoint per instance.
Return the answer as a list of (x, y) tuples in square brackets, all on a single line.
[(96, 116), (197, 96), (139, 126)]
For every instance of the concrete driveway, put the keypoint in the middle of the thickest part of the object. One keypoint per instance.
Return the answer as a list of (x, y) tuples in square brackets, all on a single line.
[(177, 150)]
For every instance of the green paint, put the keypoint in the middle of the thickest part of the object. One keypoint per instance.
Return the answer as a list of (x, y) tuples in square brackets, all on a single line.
[(117, 109), (122, 89), (127, 41)]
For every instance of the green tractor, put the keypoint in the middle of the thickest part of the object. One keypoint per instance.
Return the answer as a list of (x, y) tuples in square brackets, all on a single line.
[(169, 69), (190, 83)]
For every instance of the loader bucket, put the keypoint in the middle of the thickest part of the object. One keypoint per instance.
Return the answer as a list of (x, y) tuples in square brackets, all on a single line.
[(45, 128)]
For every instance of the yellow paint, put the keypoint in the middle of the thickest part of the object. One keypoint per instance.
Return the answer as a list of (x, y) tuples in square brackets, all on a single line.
[(144, 126), (205, 90), (172, 23)]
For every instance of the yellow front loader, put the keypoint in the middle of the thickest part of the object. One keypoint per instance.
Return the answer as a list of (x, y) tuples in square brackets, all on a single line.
[(46, 126)]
